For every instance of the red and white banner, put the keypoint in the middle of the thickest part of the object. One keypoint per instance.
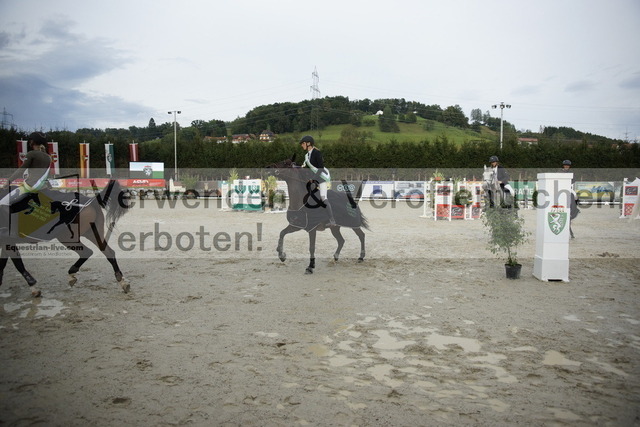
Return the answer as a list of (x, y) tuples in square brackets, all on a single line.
[(84, 160), (21, 148), (55, 160), (133, 152)]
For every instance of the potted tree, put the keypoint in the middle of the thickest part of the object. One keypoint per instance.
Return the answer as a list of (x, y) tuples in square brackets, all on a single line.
[(506, 233), (271, 185)]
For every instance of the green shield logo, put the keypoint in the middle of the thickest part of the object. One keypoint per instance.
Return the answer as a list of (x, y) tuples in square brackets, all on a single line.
[(557, 221)]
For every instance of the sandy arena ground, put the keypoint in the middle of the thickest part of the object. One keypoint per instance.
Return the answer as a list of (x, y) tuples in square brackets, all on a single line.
[(427, 331)]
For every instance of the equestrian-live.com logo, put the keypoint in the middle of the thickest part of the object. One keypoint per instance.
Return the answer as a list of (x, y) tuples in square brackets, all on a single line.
[(557, 219)]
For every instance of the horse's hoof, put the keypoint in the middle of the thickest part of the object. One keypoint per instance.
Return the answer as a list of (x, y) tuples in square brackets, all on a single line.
[(36, 293), (125, 285), (308, 270), (360, 259), (72, 279), (282, 256)]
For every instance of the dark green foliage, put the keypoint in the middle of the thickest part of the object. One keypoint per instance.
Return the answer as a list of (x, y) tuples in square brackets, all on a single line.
[(387, 121), (506, 232), (353, 149), (454, 116)]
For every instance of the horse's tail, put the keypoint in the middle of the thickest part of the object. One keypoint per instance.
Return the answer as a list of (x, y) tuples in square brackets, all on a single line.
[(364, 222), (352, 200), (110, 199)]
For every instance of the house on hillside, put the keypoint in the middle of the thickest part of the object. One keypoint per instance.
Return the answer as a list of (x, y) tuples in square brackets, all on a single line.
[(267, 136), (242, 137), (217, 139)]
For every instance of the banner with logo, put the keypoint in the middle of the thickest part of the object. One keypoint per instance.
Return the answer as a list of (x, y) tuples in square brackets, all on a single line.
[(84, 160), (246, 194), (443, 196), (55, 160), (109, 159), (378, 190), (523, 190), (630, 199), (100, 183), (133, 152), (22, 149), (146, 170), (596, 191)]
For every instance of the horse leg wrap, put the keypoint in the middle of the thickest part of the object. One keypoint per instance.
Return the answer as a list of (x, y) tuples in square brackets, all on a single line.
[(312, 265)]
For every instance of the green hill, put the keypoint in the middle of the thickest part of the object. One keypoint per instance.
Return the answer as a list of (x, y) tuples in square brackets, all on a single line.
[(422, 130)]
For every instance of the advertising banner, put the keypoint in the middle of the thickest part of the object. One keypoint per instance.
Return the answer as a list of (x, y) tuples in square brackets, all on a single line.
[(146, 170), (524, 190), (246, 194), (141, 183), (630, 199), (409, 190), (378, 190), (595, 191), (443, 199)]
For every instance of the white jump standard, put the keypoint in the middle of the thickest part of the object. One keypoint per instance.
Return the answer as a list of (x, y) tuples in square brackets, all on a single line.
[(551, 261)]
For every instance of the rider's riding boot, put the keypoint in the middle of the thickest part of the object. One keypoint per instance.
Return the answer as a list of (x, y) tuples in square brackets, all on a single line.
[(327, 205)]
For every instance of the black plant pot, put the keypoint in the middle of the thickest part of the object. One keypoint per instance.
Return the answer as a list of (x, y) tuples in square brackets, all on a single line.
[(513, 271)]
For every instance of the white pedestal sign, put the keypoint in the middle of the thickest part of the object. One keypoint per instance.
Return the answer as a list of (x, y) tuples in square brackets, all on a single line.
[(552, 228)]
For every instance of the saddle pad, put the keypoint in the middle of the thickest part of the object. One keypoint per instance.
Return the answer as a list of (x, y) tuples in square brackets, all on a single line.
[(344, 213), (37, 215)]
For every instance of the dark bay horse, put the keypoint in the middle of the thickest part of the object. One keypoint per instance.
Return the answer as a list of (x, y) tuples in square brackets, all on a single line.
[(88, 221), (306, 212)]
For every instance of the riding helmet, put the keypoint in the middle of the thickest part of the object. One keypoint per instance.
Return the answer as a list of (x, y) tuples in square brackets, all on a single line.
[(566, 162), (38, 138), (493, 159), (307, 138)]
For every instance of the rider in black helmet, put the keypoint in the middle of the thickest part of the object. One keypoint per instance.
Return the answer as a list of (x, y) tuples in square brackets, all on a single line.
[(37, 164), (314, 161), (500, 174)]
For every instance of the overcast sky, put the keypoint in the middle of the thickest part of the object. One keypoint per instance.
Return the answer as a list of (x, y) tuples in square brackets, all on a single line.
[(68, 64)]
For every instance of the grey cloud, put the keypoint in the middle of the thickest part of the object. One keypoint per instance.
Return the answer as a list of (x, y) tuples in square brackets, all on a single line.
[(632, 82), (43, 84), (526, 90), (59, 29), (5, 39), (73, 58), (60, 108), (580, 86)]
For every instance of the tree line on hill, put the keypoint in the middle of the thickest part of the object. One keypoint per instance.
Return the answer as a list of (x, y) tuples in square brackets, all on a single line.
[(291, 120)]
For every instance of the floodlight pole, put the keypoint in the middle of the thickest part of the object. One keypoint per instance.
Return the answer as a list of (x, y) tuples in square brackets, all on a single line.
[(502, 105), (175, 144)]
